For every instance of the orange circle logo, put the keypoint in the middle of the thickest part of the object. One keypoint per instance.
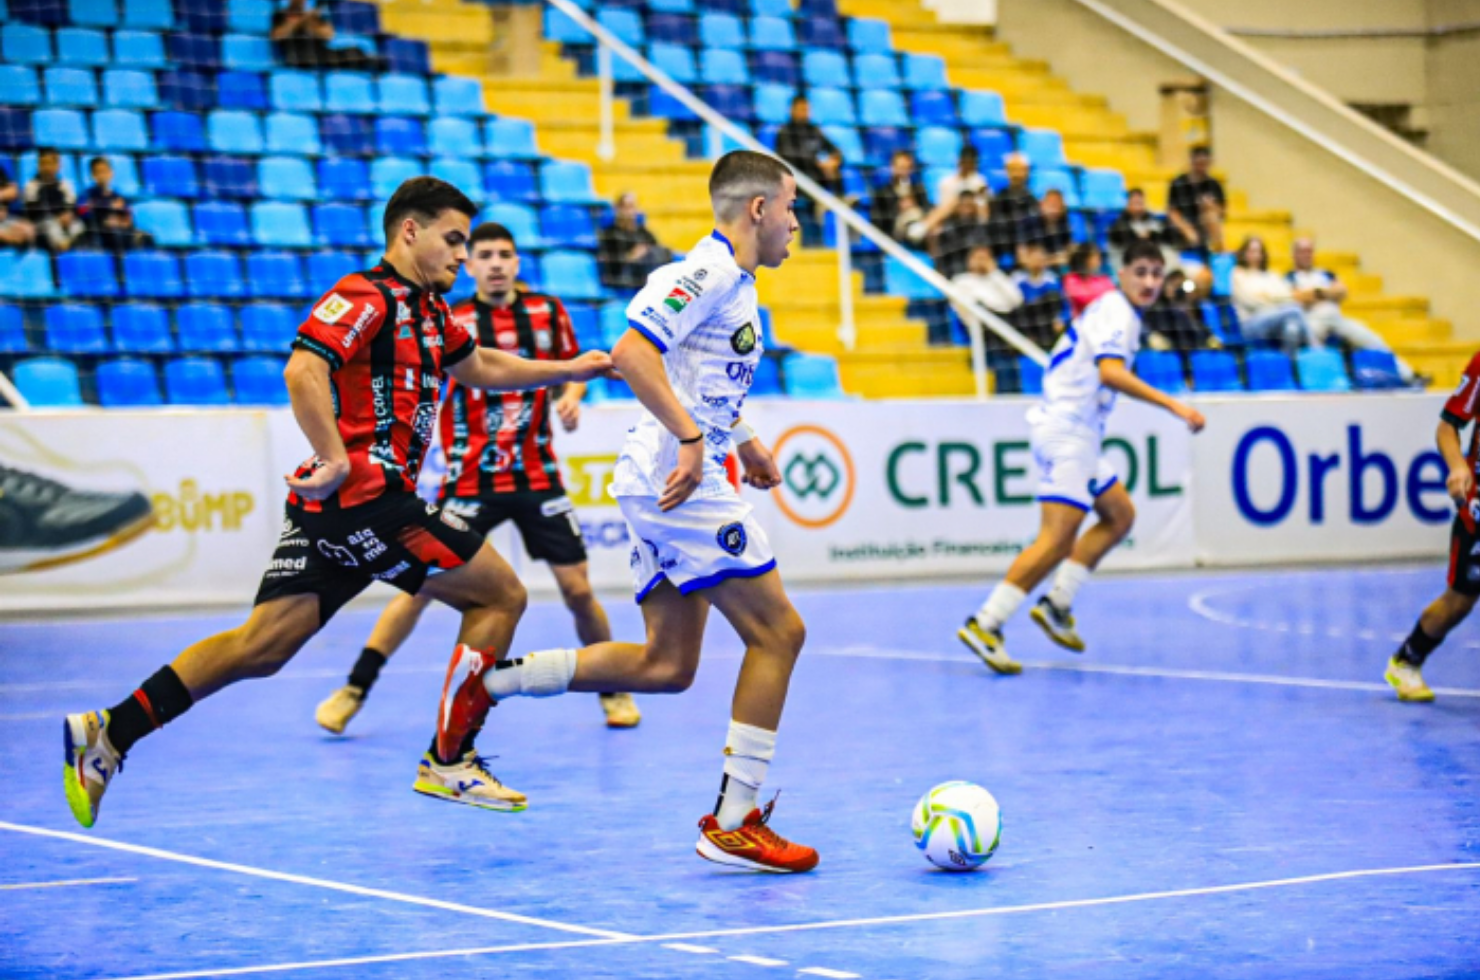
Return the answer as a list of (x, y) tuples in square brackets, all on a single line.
[(817, 478)]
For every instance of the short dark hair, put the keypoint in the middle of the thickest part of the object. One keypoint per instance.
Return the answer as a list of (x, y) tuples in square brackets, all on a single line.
[(745, 174), (492, 231), (422, 199), (93, 163), (969, 151), (1134, 191), (46, 151), (1200, 150), (798, 99), (1080, 255), (1142, 249)]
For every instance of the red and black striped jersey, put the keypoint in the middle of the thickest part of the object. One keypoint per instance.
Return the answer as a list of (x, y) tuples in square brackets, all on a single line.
[(388, 344), (1459, 412), (500, 443)]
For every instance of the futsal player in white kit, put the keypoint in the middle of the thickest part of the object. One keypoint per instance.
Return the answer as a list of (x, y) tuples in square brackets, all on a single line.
[(1088, 367), (690, 354)]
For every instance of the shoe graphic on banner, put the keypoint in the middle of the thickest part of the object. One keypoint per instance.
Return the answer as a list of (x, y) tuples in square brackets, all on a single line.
[(44, 523)]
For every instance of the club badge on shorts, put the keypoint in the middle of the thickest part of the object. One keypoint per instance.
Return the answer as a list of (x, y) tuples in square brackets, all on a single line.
[(732, 539)]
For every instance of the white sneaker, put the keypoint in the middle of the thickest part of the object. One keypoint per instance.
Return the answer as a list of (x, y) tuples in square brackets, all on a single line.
[(91, 762), (466, 781), (989, 645), (1058, 625), (1408, 681), (338, 708), (621, 710)]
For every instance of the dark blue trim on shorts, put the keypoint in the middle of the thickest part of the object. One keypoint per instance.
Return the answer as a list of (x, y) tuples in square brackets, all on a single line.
[(1113, 480), (1064, 500), (648, 334), (643, 592), (720, 576)]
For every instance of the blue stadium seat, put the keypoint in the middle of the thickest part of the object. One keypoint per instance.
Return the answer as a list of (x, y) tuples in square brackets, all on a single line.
[(1043, 147), (268, 327), (776, 68), (72, 328), (882, 141), (883, 108), (625, 24), (81, 48), (772, 34), (1044, 180), (1161, 369), (259, 381), (661, 105), (45, 13), (142, 328), (26, 275), (13, 331), (565, 182), (93, 13), (395, 136), (766, 379), (70, 87), (1322, 369), (241, 90), (992, 145), (167, 221), (669, 7), (571, 226), (127, 89), (675, 61), (456, 96), (207, 17), (285, 178), (178, 132), (846, 139), (869, 36), (222, 223), (900, 281), (354, 17), (389, 173), (1103, 190), (187, 91), (205, 328), (772, 8), (125, 174), (813, 376), (403, 95), (672, 27), (1221, 264), (937, 146), (1215, 370), (138, 49), (15, 130), (293, 134), (352, 92), (925, 72), (510, 180), (276, 275), (325, 268), (510, 139), (158, 15), (584, 323), (18, 85), (277, 224), (462, 174), (407, 55), (1269, 370), (120, 130), (731, 101), (234, 131), (228, 178), (933, 108), (195, 381), (571, 274), (822, 32), (344, 180), (214, 274), (876, 71), (773, 103), (170, 176), (87, 274), (452, 136), (1030, 376), (1371, 369), (297, 91), (48, 382), (341, 226), (559, 27), (723, 67), (65, 129), (826, 68), (249, 16), (613, 324), (202, 53), (127, 383), (521, 221), (982, 109), (24, 44), (247, 52), (722, 31)]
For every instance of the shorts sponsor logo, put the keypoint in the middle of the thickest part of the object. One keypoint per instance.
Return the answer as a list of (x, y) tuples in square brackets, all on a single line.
[(817, 476), (291, 536), (370, 545), (287, 565), (553, 508), (678, 299), (332, 308), (732, 538), (463, 508), (453, 521), (390, 574), (338, 554), (743, 341)]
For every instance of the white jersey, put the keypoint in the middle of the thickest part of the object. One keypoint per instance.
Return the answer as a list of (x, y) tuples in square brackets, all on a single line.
[(702, 313), (1072, 393)]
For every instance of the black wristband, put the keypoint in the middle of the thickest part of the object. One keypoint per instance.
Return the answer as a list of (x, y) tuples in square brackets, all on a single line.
[(690, 442)]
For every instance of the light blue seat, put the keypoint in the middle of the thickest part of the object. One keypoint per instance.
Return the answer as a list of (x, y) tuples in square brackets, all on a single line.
[(138, 49), (1161, 369), (462, 174), (403, 95), (982, 109), (773, 103), (206, 328), (93, 13), (1043, 147), (125, 174), (234, 131), (772, 34), (900, 281), (924, 72), (351, 92), (297, 91), (674, 60), (120, 130), (625, 24), (142, 328), (772, 8), (826, 68), (571, 274), (847, 140), (510, 139), (195, 381), (452, 136), (1044, 180), (1215, 370), (456, 96), (521, 220), (81, 48), (671, 6), (259, 381), (18, 85), (832, 107), (27, 275), (722, 66), (1103, 190), (937, 146), (249, 16), (876, 71), (1322, 369), (882, 107), (247, 52), (22, 44), (292, 132), (869, 36), (565, 182), (722, 31), (167, 221), (276, 224), (156, 15), (128, 382), (151, 274), (285, 178), (389, 173), (559, 27), (127, 89), (813, 376), (71, 87), (48, 382)]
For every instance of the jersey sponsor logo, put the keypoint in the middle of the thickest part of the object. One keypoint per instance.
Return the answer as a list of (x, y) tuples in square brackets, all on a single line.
[(506, 339), (740, 372), (715, 401), (691, 285), (332, 308), (1464, 380), (354, 332), (678, 299), (743, 342), (537, 307), (718, 436), (732, 538), (403, 313), (542, 340)]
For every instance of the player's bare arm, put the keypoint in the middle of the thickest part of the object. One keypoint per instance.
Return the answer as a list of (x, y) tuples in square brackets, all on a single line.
[(307, 377), (568, 405), (1460, 478), (1114, 374), (496, 370), (642, 365)]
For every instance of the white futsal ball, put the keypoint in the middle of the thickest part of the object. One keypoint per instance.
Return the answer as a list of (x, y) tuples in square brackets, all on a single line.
[(957, 826)]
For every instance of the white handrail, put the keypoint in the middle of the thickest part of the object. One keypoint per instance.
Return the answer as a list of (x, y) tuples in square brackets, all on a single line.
[(981, 316), (13, 394)]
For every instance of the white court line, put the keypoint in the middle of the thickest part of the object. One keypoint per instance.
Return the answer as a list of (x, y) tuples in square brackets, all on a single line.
[(822, 971), (756, 960), (1198, 603), (687, 948), (66, 884)]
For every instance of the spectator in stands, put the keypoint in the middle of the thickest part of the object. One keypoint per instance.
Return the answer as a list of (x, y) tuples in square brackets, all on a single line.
[(302, 38), (1041, 317), (51, 203), (1137, 223), (109, 219), (14, 230), (962, 231), (901, 204), (1085, 283), (1048, 226), (806, 148), (988, 285), (1321, 294), (1010, 208), (1266, 304), (1196, 205), (1174, 321), (626, 250)]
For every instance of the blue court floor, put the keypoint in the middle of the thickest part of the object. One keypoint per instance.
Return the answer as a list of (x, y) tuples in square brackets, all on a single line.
[(1221, 787)]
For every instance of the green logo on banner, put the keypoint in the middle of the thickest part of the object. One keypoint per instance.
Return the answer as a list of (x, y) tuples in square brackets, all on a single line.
[(806, 476)]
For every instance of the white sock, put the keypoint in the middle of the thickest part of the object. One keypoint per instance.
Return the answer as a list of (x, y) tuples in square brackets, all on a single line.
[(748, 752), (535, 675), (1066, 584), (1000, 606)]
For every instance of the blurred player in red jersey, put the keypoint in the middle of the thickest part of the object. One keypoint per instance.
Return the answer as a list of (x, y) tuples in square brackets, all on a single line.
[(364, 378), (1405, 669), (501, 467)]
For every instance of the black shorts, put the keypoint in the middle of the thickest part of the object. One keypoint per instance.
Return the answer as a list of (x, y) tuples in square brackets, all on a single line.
[(1464, 563), (546, 520), (335, 554)]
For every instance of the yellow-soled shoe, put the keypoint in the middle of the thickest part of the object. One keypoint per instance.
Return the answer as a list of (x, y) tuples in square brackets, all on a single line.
[(1058, 625), (90, 762), (466, 781), (1408, 681), (988, 645), (335, 712), (621, 711)]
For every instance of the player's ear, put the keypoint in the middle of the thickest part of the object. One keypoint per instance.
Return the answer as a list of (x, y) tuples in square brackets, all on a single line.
[(757, 208)]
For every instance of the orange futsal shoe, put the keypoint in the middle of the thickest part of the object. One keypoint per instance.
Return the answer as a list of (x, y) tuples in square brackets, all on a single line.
[(754, 845), (465, 701)]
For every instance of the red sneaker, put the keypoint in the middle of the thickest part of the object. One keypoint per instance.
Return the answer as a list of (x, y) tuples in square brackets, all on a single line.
[(465, 702), (754, 845)]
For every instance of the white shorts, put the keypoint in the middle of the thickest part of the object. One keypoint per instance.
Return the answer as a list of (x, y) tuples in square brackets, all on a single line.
[(698, 544), (1071, 468)]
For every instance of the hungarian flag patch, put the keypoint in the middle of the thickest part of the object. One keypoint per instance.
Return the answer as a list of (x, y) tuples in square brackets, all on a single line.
[(678, 299)]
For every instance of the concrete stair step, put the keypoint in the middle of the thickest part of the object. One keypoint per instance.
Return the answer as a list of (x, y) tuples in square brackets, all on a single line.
[(1405, 332), (1072, 122), (450, 23), (1386, 307), (878, 381)]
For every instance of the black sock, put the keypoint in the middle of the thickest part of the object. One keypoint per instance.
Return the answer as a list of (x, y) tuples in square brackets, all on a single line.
[(1416, 649), (462, 750), (367, 669), (158, 701)]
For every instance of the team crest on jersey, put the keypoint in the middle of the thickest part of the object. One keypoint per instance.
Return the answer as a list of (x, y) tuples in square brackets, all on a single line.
[(678, 299), (732, 539), (743, 342), (332, 309)]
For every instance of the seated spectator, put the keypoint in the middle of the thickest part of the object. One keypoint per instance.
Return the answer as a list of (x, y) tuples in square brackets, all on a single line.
[(1085, 283), (1049, 227), (962, 231), (109, 219), (14, 230), (1196, 205), (901, 205), (806, 148), (1321, 294), (626, 250), (1174, 321), (1266, 304), (301, 37), (1138, 224), (1010, 208), (987, 285), (51, 203), (1041, 317)]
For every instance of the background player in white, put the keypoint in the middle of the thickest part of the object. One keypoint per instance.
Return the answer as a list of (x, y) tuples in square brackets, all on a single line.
[(1088, 366), (690, 356)]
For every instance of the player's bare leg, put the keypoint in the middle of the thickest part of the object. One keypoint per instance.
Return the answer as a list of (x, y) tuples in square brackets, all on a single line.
[(1054, 612), (592, 626), (392, 629), (1404, 670)]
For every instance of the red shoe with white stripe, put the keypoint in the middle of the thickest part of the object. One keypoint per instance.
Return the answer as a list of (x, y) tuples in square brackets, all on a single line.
[(753, 845), (465, 702)]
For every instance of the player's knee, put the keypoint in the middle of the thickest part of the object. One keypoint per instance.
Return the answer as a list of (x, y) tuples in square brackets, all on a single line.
[(1122, 519), (669, 675), (791, 633)]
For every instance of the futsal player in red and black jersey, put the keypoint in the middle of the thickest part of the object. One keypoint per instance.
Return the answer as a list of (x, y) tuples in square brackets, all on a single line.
[(501, 467), (1404, 670), (364, 378)]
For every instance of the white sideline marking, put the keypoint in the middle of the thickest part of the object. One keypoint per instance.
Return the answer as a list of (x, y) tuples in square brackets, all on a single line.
[(1198, 603), (822, 971), (66, 884), (686, 948), (757, 960)]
